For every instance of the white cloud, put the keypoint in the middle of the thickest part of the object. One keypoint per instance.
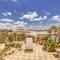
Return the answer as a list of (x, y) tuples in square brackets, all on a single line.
[(33, 16), (40, 22), (10, 0), (20, 23), (8, 23), (57, 24), (7, 20), (7, 13), (37, 28), (29, 16), (40, 18), (47, 13), (5, 26), (14, 0), (4, 14), (56, 17), (45, 17)]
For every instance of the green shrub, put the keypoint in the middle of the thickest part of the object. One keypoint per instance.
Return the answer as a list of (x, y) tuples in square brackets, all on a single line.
[(50, 44), (23, 37), (2, 38), (33, 38), (10, 38), (18, 38), (17, 45)]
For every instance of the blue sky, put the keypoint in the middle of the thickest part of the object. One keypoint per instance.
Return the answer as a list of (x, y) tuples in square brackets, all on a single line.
[(29, 13)]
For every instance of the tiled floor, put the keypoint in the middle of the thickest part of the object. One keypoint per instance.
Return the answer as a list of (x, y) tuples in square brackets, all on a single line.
[(37, 54)]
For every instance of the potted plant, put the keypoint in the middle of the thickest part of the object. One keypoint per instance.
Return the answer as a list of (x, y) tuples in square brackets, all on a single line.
[(50, 44)]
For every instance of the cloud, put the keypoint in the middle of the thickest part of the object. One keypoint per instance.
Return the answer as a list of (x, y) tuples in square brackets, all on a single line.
[(33, 16), (57, 24), (41, 22), (9, 13), (20, 23), (9, 0), (6, 20), (29, 16), (6, 26), (14, 0), (47, 13), (40, 18), (8, 23), (4, 23), (37, 28), (6, 13), (56, 18)]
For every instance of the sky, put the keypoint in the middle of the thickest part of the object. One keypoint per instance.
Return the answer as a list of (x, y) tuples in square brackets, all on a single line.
[(29, 13)]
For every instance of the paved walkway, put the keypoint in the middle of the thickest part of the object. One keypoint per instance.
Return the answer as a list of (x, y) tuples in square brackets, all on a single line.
[(37, 54)]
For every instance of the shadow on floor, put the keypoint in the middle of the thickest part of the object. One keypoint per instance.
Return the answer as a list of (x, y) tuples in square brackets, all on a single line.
[(28, 50)]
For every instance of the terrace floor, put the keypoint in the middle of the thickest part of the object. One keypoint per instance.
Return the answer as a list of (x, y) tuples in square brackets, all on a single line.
[(37, 54)]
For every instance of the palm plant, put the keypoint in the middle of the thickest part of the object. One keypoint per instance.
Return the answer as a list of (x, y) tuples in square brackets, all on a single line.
[(53, 29), (58, 32), (49, 31)]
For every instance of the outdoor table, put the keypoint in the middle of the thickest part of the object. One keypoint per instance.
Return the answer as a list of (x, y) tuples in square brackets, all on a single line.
[(58, 50)]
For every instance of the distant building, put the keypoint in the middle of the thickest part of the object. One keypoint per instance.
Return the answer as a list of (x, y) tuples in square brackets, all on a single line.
[(40, 32)]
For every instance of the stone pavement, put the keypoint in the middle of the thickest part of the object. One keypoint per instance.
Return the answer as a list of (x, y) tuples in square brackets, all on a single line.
[(37, 54)]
